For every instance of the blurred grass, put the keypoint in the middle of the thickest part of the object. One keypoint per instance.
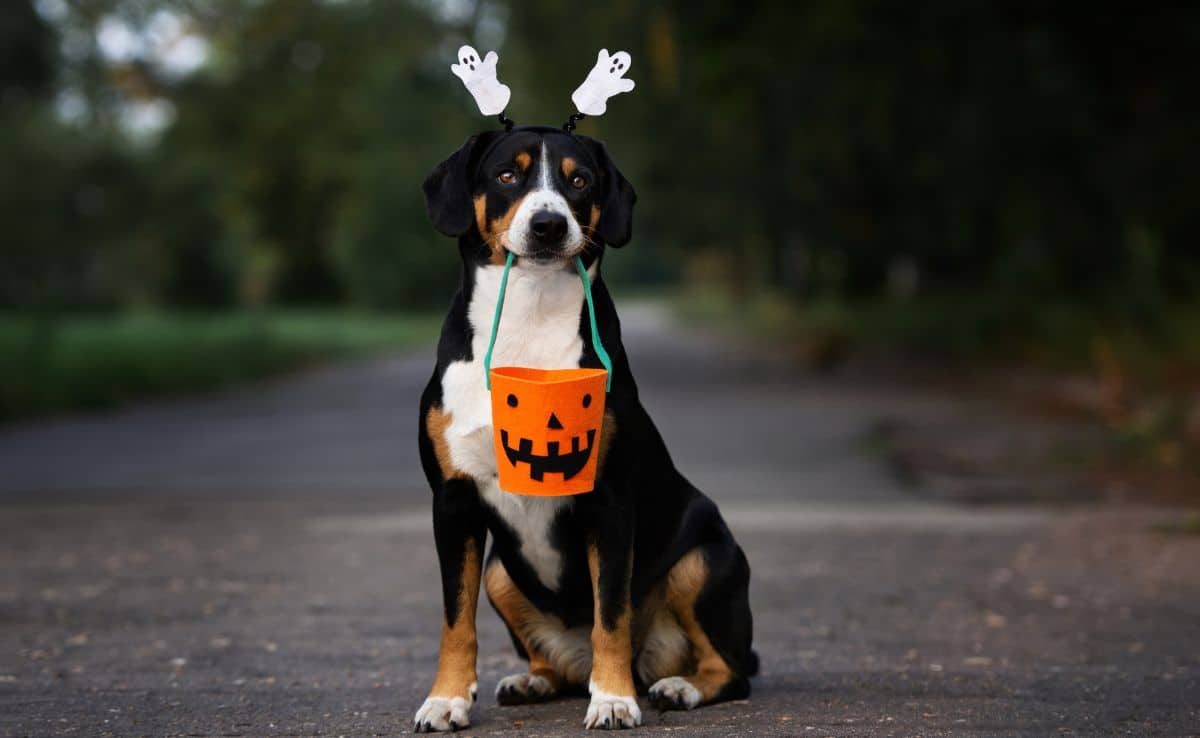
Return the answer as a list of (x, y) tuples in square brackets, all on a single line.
[(90, 362)]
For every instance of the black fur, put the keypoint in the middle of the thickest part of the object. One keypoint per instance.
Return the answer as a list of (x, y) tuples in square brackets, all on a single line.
[(616, 219), (448, 187), (642, 507)]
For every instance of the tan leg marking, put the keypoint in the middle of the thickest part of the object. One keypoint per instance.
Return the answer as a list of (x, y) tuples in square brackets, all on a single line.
[(614, 702), (437, 423), (456, 657), (448, 706), (684, 583), (612, 650)]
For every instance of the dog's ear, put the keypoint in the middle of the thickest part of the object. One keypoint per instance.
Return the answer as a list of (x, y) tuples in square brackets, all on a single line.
[(616, 213), (448, 187)]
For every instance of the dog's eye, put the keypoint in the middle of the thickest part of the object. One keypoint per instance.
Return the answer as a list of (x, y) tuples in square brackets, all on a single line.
[(508, 176), (579, 181)]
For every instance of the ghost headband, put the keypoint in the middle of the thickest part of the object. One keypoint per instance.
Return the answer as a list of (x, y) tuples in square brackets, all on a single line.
[(606, 79)]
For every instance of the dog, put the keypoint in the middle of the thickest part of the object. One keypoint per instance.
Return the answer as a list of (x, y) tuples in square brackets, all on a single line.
[(636, 586)]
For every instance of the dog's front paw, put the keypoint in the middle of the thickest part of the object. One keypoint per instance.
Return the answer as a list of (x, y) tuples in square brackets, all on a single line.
[(612, 712), (522, 689), (674, 693), (444, 713)]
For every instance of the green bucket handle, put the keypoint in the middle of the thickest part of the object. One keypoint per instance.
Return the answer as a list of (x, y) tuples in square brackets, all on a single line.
[(587, 293)]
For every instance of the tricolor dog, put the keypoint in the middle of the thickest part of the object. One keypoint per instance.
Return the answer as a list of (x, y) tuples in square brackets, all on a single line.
[(637, 587)]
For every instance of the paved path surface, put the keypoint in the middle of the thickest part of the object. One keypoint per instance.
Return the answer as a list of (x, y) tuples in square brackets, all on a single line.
[(260, 563)]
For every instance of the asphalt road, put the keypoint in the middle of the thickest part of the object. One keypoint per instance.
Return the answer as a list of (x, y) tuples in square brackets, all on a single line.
[(260, 563)]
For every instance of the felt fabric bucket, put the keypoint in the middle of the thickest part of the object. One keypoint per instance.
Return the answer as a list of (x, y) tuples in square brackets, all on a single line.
[(547, 422)]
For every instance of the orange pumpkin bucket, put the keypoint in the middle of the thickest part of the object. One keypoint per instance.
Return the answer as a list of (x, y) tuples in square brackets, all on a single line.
[(546, 422)]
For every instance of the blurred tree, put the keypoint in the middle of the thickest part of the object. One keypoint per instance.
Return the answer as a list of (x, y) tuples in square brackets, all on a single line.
[(27, 54), (309, 137), (64, 199), (1019, 154)]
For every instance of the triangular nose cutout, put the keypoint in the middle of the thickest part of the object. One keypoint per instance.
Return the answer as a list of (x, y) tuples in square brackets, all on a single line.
[(554, 423)]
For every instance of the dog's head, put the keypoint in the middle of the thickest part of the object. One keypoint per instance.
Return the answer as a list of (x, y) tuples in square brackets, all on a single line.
[(541, 193)]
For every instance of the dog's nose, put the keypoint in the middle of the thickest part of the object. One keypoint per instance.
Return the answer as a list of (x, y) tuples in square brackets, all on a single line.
[(548, 227)]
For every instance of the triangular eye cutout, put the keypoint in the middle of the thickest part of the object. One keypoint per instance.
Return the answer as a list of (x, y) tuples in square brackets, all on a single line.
[(555, 424)]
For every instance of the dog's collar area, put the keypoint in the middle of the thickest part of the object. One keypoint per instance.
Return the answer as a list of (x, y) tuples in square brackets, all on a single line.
[(597, 345)]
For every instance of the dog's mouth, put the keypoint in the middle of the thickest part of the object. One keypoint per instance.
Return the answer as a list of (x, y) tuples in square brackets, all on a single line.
[(546, 255), (567, 463)]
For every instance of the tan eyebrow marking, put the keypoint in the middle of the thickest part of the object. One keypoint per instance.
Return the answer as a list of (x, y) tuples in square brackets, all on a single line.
[(568, 166), (523, 160)]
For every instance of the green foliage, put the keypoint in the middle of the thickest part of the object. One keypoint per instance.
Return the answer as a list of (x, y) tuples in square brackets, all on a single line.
[(312, 163), (70, 212), (26, 53), (999, 155), (95, 362)]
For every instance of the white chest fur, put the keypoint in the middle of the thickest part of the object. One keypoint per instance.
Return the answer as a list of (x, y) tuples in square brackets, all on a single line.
[(539, 328)]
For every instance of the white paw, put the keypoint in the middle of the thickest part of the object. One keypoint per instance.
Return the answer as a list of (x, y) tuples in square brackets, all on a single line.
[(674, 693), (611, 711), (606, 79), (444, 713), (519, 689)]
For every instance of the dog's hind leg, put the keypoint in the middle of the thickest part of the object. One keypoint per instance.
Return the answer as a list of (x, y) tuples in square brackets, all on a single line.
[(708, 593), (558, 656)]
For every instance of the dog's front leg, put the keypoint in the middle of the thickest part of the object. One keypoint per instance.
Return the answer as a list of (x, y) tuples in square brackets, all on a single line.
[(610, 557), (459, 531)]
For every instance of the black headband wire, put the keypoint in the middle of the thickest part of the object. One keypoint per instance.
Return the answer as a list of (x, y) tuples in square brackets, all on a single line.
[(569, 126)]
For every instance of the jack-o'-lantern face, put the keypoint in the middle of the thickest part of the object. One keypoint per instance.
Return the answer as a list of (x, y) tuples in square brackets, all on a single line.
[(547, 428)]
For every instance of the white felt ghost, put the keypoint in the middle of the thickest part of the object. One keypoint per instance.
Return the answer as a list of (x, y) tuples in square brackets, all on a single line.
[(605, 80), (479, 75)]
